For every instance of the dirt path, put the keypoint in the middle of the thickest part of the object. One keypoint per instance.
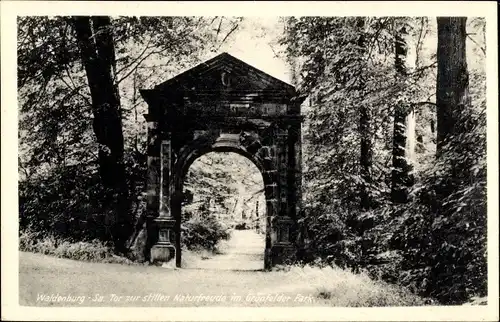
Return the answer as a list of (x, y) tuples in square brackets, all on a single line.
[(244, 251), (231, 279)]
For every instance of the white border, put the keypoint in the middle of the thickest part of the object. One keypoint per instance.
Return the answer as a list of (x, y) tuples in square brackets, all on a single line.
[(10, 9)]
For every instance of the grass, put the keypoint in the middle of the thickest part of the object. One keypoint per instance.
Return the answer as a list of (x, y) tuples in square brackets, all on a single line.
[(339, 287), (90, 251), (40, 274), (327, 286)]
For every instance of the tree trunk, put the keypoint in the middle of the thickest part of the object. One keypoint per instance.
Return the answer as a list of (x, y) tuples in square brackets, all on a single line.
[(400, 167), (366, 149), (452, 77), (98, 57)]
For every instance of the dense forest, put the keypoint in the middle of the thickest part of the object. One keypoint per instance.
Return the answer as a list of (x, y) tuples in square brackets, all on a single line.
[(395, 156), (394, 151)]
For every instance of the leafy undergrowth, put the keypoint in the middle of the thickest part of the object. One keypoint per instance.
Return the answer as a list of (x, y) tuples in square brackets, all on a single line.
[(342, 288), (203, 232), (90, 251), (97, 251)]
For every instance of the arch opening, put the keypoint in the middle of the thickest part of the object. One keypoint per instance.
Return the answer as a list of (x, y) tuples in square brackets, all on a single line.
[(224, 197)]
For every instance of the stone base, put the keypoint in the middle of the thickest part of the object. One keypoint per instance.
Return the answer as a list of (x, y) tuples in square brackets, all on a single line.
[(283, 254), (162, 253)]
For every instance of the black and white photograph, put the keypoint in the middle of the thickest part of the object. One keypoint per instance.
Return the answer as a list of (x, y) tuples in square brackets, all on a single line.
[(251, 160)]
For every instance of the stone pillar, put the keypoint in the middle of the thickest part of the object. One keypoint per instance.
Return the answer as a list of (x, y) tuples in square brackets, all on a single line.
[(271, 195), (283, 249), (152, 182), (153, 168), (298, 169), (282, 158), (164, 249), (294, 180), (298, 176), (272, 205)]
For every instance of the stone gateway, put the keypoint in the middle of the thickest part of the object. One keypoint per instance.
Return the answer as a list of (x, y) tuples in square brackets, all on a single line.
[(223, 105)]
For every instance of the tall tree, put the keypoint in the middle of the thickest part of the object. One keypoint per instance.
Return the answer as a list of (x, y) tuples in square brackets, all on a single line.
[(95, 41), (400, 167), (452, 93), (366, 146)]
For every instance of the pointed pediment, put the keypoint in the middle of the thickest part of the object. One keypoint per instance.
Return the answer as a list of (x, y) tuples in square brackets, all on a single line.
[(225, 73)]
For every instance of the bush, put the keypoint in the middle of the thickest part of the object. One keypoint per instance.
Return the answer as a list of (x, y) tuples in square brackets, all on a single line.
[(91, 251), (241, 226), (70, 202), (444, 249), (203, 232), (443, 235)]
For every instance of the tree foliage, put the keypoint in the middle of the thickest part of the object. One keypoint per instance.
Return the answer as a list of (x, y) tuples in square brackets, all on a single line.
[(58, 142), (352, 71)]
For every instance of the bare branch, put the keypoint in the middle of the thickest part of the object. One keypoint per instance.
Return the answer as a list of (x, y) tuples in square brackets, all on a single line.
[(76, 90), (228, 34), (220, 24), (214, 18), (137, 65), (375, 38), (421, 69), (480, 47), (138, 61), (146, 47), (69, 75), (424, 103), (253, 195), (272, 48)]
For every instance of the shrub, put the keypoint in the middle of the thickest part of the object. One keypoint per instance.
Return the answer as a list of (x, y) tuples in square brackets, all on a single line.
[(203, 232), (70, 201), (443, 235), (48, 244), (241, 226), (444, 249)]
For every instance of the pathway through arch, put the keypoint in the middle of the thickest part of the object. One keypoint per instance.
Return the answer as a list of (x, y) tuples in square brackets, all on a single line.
[(243, 251)]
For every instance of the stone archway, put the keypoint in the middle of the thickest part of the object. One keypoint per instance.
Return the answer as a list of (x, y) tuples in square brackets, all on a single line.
[(223, 105)]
